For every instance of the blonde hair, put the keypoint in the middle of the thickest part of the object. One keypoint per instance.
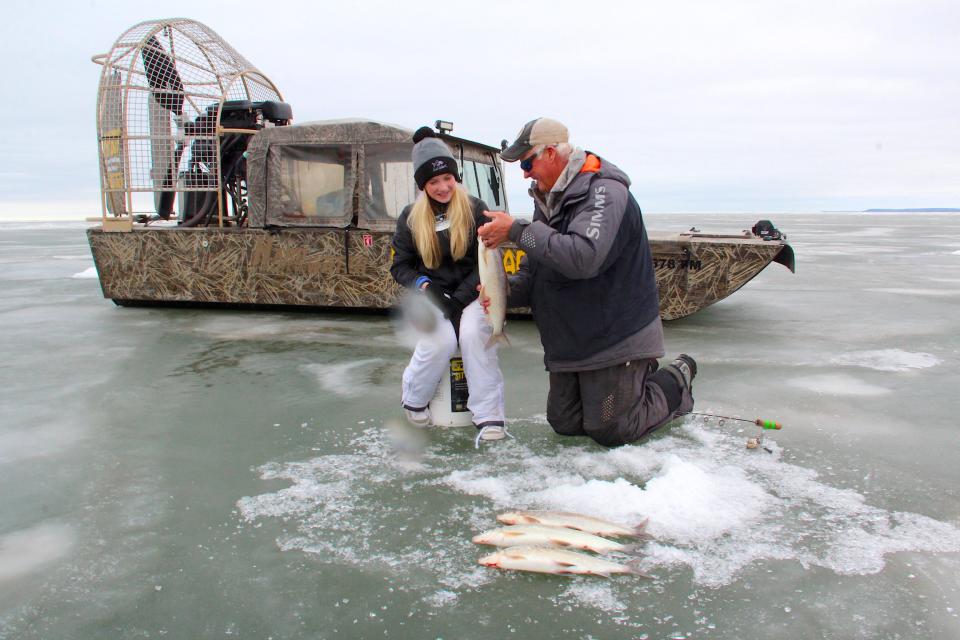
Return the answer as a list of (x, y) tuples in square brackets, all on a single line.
[(422, 224)]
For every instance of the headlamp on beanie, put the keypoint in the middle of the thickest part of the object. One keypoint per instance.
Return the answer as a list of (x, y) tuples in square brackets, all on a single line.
[(431, 157)]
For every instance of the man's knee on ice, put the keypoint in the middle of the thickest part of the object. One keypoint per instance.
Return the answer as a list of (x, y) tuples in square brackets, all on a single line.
[(566, 425), (610, 437)]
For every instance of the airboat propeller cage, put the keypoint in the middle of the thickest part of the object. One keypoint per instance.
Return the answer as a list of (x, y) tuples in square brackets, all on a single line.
[(175, 109)]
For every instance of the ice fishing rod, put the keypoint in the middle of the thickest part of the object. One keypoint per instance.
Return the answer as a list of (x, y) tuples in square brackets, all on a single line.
[(752, 443), (760, 422)]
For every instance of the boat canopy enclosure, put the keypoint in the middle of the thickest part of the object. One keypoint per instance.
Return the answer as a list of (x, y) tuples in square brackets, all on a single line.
[(350, 174)]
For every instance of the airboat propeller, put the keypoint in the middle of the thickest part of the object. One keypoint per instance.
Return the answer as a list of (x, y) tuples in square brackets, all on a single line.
[(165, 89)]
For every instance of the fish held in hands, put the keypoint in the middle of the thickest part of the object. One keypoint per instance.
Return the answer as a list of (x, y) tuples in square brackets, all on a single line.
[(576, 521), (540, 535), (494, 287), (556, 561)]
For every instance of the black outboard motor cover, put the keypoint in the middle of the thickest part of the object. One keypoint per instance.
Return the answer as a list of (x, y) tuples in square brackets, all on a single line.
[(765, 229), (242, 114)]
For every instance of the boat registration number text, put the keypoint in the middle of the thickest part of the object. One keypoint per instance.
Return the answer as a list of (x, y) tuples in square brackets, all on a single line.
[(673, 263)]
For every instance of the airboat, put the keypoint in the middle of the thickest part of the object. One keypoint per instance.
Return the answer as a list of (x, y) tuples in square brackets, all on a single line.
[(212, 196)]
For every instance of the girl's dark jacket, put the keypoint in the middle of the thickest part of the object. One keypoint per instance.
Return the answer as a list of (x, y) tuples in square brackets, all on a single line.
[(457, 279)]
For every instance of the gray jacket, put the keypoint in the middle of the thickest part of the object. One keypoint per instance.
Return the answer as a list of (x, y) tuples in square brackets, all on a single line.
[(588, 274)]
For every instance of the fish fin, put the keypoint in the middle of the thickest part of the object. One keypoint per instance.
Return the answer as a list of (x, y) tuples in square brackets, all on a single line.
[(565, 564), (513, 534), (516, 555), (559, 543), (498, 338), (517, 518)]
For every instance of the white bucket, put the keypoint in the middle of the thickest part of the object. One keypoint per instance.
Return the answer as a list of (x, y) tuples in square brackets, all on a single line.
[(449, 405)]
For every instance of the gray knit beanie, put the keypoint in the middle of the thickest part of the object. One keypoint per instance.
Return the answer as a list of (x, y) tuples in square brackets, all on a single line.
[(431, 157)]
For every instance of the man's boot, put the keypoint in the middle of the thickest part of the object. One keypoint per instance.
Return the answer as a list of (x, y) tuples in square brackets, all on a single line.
[(686, 367), (675, 379)]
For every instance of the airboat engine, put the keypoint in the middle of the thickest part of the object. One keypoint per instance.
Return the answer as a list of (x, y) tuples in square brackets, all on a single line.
[(176, 108)]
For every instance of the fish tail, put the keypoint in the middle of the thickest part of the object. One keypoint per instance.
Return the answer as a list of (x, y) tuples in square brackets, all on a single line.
[(498, 338), (631, 549), (640, 531), (633, 567)]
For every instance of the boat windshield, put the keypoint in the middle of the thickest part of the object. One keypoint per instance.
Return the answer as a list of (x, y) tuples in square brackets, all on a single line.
[(482, 181), (389, 186)]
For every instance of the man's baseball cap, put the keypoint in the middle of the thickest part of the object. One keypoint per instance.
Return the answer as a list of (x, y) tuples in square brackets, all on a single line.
[(534, 133)]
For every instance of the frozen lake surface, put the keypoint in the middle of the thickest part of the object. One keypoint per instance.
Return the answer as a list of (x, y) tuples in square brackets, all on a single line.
[(206, 474)]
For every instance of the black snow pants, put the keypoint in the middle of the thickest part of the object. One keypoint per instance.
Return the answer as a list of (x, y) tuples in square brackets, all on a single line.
[(618, 404)]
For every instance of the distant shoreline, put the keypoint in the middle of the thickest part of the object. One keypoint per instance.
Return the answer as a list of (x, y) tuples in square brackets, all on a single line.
[(919, 210), (922, 210)]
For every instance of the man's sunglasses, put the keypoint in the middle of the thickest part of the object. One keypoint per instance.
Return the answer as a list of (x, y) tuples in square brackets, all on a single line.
[(527, 164)]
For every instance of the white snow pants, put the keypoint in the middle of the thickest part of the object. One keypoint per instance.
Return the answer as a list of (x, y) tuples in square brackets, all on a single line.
[(431, 361)]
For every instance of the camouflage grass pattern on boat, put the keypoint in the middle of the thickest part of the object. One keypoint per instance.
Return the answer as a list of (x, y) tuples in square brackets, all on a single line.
[(351, 268), (695, 271), (324, 268)]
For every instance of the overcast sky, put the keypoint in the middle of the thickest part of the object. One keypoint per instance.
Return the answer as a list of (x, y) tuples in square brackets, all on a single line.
[(757, 106)]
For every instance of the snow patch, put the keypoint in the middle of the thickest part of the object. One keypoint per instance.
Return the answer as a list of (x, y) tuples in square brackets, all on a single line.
[(933, 293), (837, 384), (349, 379), (713, 508), (887, 360), (88, 273), (29, 550)]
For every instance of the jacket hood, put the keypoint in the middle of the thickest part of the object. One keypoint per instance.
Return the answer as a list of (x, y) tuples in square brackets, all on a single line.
[(581, 183), (609, 171)]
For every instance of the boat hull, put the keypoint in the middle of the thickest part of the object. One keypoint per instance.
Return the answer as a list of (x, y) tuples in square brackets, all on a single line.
[(696, 270), (349, 268)]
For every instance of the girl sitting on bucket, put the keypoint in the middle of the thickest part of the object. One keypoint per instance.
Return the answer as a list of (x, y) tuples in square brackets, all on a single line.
[(435, 255)]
